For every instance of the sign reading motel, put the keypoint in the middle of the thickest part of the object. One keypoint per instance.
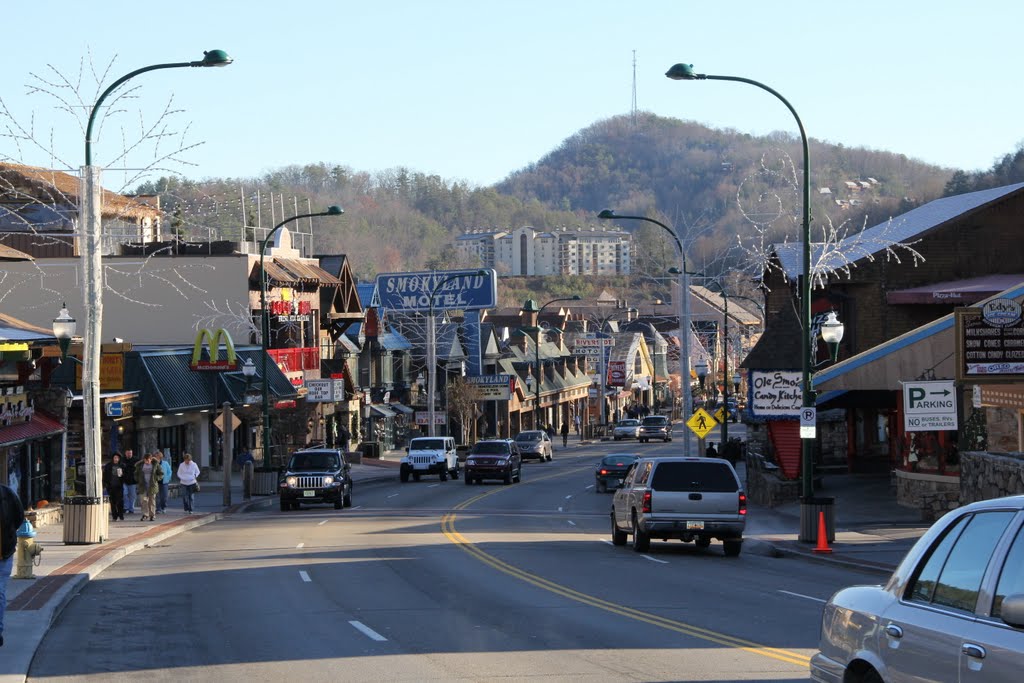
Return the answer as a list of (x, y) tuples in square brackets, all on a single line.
[(462, 289)]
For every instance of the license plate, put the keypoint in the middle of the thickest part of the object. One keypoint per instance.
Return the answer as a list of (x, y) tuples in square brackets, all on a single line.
[(695, 525), (309, 494)]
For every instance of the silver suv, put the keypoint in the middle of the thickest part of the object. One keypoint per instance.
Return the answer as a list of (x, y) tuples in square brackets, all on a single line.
[(655, 427), (692, 499)]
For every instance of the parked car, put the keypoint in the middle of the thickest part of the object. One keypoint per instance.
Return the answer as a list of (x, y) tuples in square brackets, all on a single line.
[(655, 427), (534, 443), (626, 429), (692, 499), (952, 610), (316, 476), (494, 459), (430, 455), (612, 469)]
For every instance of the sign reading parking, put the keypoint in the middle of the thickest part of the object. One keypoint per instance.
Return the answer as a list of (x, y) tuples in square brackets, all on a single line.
[(929, 406)]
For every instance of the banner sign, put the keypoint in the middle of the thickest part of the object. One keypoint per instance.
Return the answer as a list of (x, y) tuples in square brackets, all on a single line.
[(775, 394), (462, 289), (494, 387), (617, 373), (591, 346)]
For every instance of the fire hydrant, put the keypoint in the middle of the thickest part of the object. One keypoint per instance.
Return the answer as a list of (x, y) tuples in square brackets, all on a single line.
[(27, 553)]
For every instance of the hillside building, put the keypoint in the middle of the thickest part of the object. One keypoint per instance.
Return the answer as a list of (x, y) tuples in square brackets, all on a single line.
[(527, 251)]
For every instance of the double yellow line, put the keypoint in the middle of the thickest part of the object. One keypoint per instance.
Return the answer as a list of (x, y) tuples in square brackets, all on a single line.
[(450, 532)]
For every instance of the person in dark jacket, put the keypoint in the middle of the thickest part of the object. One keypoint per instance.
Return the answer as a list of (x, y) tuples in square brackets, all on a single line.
[(565, 434), (130, 461), (12, 515), (113, 480)]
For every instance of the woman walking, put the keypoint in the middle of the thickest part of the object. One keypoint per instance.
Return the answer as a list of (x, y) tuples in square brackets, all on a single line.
[(147, 476), (188, 476)]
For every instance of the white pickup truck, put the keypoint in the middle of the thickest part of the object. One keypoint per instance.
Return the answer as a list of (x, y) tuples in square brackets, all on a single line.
[(692, 499)]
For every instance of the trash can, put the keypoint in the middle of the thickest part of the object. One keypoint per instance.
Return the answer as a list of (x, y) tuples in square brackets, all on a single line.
[(264, 482), (371, 449), (86, 520), (810, 515)]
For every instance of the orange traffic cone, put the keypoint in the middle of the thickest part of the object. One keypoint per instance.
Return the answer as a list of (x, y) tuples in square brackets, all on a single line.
[(822, 546)]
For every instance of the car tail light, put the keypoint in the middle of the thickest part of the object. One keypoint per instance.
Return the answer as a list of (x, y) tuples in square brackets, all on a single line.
[(743, 503), (647, 501), (604, 471)]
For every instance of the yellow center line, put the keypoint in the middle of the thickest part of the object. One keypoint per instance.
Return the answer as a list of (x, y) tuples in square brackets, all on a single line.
[(453, 535)]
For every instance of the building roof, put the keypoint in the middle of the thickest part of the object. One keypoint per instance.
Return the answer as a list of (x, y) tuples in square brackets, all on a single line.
[(62, 188), (960, 292), (904, 228), (12, 329)]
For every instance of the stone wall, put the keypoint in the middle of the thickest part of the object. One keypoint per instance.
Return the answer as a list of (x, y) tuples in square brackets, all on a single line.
[(933, 494), (1002, 428), (764, 485), (990, 475)]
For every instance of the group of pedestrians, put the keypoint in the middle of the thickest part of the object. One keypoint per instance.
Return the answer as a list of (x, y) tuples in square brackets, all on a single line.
[(146, 481)]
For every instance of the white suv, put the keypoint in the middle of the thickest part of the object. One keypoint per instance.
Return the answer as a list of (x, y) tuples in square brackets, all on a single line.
[(430, 455)]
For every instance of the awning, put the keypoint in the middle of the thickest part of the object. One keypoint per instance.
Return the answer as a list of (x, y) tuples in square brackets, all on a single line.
[(959, 292), (38, 427), (399, 408), (382, 411)]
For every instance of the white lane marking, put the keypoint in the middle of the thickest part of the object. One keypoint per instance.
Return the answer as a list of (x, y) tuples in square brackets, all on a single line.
[(357, 507), (300, 545), (591, 486), (648, 557), (559, 509), (572, 523), (392, 495), (432, 486), (322, 523), (304, 576), (568, 497), (805, 597), (605, 540), (367, 631)]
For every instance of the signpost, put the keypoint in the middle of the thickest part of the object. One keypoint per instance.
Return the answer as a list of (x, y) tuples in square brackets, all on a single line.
[(808, 422), (929, 406)]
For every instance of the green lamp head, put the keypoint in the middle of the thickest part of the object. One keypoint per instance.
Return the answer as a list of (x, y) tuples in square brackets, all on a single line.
[(334, 210), (682, 72), (607, 214), (214, 58)]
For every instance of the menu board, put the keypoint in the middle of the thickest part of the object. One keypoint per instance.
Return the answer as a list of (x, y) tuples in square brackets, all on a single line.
[(990, 341)]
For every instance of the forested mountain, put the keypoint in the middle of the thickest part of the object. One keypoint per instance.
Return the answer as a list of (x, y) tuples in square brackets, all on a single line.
[(712, 184)]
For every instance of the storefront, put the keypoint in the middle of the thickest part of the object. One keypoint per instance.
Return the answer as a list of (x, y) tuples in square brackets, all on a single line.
[(30, 457)]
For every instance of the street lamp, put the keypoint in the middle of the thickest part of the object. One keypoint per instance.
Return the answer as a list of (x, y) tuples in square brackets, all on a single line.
[(64, 329), (684, 72), (432, 347), (832, 333), (265, 321), (92, 275), (530, 307), (684, 315)]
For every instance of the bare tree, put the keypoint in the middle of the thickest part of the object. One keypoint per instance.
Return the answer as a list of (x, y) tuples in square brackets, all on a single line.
[(464, 402)]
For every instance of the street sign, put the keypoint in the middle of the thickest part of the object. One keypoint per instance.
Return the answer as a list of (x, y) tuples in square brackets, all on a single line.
[(720, 414), (319, 390), (113, 409), (929, 406), (808, 422), (701, 423), (219, 422)]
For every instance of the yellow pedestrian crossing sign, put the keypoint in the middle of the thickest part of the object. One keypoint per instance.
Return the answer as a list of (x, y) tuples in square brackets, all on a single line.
[(701, 423), (720, 414)]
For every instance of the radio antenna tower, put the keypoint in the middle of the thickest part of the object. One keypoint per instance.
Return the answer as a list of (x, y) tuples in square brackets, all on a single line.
[(633, 111)]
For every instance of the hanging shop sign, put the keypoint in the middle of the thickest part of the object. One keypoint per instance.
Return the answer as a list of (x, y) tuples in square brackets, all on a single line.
[(775, 394), (291, 311)]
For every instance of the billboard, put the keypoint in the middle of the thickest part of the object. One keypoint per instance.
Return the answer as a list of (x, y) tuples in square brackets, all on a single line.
[(452, 289)]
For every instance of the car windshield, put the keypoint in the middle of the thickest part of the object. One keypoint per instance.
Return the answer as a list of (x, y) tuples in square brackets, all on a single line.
[(655, 421), (618, 460), (313, 461), (629, 423), (427, 445), (530, 436), (491, 448)]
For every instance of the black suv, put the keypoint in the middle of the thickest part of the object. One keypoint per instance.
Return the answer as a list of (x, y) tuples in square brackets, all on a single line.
[(316, 475), (494, 459), (655, 427)]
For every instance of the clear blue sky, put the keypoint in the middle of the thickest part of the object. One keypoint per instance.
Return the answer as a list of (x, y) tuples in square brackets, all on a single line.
[(474, 90)]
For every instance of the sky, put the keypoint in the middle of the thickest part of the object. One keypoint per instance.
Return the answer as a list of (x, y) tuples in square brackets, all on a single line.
[(473, 91)]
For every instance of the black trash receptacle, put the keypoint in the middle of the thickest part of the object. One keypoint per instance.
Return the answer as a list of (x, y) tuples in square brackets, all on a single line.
[(265, 481), (810, 516), (371, 449)]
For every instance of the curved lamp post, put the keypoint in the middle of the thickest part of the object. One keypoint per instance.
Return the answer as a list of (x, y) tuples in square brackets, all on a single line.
[(684, 316), (92, 276), (684, 72), (265, 321), (432, 348), (536, 366)]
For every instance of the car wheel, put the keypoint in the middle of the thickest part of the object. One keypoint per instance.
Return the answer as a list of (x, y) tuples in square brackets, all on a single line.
[(641, 541), (285, 506), (732, 548), (667, 439), (702, 542), (338, 504), (870, 676), (519, 473), (347, 499), (617, 438), (618, 535), (549, 457), (508, 476), (444, 475), (455, 472), (403, 474)]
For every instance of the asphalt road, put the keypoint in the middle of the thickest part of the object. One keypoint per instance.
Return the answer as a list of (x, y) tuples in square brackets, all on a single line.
[(443, 581)]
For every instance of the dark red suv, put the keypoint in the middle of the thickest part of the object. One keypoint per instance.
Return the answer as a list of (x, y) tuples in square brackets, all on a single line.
[(495, 459)]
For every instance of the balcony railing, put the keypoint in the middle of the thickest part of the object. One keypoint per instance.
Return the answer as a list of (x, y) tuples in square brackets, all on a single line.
[(296, 360)]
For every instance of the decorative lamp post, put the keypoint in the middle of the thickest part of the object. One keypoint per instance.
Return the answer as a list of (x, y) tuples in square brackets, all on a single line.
[(64, 329), (685, 72), (265, 322), (530, 307), (832, 333), (684, 315), (90, 195), (432, 348), (736, 379)]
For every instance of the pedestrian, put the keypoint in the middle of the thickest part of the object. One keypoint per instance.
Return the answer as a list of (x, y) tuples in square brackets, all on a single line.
[(579, 422), (550, 430), (711, 451), (130, 461), (164, 481), (147, 477), (113, 479), (12, 515), (565, 434), (343, 438), (188, 477)]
